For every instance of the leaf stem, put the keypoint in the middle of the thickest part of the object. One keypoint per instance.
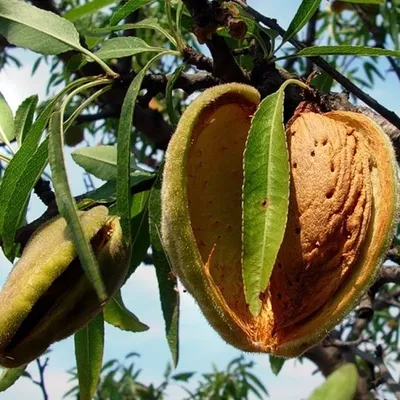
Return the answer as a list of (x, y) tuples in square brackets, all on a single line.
[(4, 138), (325, 66), (4, 158), (87, 102), (99, 61)]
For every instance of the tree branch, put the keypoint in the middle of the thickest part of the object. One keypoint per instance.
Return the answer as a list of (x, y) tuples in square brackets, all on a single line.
[(325, 66), (205, 24)]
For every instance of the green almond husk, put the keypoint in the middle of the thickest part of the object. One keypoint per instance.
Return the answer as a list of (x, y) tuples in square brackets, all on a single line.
[(47, 296)]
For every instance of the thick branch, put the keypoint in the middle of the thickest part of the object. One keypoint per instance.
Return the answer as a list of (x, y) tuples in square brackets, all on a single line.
[(225, 65)]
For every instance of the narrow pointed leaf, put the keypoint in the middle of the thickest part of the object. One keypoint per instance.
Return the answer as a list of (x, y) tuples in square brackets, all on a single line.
[(172, 113), (347, 50), (148, 23), (124, 47), (89, 347), (101, 161), (116, 314), (124, 150), (32, 28), (140, 230), (265, 197), (67, 207), (21, 174), (87, 9), (128, 8), (9, 376), (167, 282), (6, 120), (305, 11), (341, 384), (24, 117)]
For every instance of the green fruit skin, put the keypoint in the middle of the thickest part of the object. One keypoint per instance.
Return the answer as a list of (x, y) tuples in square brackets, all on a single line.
[(74, 303)]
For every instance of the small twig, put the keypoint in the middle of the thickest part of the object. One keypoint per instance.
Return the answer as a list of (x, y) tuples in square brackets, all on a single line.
[(325, 66), (44, 192), (202, 62), (377, 361), (341, 344), (204, 16), (41, 381)]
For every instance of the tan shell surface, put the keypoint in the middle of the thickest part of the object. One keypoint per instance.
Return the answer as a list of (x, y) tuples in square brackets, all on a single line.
[(329, 212), (337, 233)]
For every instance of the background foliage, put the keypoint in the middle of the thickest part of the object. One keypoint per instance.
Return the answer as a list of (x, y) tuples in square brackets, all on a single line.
[(150, 58)]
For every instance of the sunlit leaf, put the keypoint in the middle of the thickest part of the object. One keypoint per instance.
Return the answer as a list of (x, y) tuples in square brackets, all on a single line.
[(341, 384), (124, 47), (265, 197), (41, 31), (6, 121), (100, 161), (9, 376), (67, 207), (303, 14), (124, 150), (87, 9), (128, 8), (24, 117)]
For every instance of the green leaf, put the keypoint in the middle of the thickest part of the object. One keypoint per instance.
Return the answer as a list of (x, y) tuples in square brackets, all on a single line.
[(22, 173), (87, 9), (265, 197), (167, 282), (305, 11), (116, 314), (6, 121), (100, 161), (140, 230), (183, 376), (24, 117), (67, 207), (172, 113), (89, 347), (149, 23), (346, 50), (276, 364), (41, 31), (124, 150), (124, 47), (128, 8), (9, 376), (341, 384)]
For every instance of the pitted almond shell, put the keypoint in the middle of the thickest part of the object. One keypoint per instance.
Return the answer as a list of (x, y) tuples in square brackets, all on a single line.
[(47, 296), (342, 216)]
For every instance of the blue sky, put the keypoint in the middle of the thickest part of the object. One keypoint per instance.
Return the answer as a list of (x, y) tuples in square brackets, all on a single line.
[(200, 345)]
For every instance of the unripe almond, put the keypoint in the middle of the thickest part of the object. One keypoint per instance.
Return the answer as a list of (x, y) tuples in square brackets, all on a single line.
[(47, 296)]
